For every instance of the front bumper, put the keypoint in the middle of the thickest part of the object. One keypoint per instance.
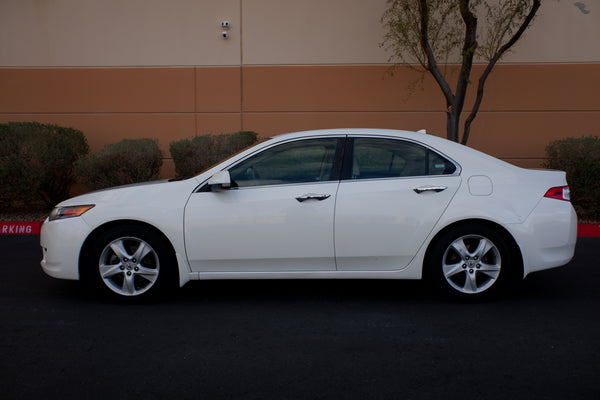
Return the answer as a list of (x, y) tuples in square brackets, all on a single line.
[(61, 242)]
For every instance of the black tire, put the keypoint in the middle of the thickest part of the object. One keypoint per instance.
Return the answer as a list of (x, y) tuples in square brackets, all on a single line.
[(130, 263), (470, 262)]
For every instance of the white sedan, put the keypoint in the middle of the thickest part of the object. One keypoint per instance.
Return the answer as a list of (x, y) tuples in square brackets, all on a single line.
[(342, 203)]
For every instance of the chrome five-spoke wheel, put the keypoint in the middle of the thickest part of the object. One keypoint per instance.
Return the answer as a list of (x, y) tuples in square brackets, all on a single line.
[(471, 264), (129, 266), (471, 261), (130, 262)]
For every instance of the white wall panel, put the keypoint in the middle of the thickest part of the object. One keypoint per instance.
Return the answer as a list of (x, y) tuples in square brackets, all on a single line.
[(313, 32), (99, 33), (118, 33)]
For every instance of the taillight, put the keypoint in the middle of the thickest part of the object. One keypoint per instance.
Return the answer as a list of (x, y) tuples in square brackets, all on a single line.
[(559, 193)]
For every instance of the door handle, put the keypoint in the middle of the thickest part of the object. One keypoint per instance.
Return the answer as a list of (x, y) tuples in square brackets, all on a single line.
[(313, 196), (436, 189)]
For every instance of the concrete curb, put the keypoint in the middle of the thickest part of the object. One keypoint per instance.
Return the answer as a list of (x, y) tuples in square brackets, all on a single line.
[(33, 228)]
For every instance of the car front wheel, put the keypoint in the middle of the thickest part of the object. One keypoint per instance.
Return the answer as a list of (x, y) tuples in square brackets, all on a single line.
[(130, 263)]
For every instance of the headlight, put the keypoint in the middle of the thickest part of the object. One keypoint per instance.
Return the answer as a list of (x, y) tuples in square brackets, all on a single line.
[(68, 211)]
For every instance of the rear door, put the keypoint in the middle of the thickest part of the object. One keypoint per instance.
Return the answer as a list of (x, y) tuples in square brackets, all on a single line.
[(393, 193)]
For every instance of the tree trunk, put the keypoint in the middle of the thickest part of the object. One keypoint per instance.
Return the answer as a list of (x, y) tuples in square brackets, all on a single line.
[(452, 124), (492, 62)]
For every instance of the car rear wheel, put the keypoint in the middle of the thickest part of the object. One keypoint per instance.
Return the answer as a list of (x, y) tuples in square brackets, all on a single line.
[(130, 263), (470, 262)]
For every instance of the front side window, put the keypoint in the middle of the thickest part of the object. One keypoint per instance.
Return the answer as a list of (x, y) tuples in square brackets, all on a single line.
[(389, 158), (302, 161)]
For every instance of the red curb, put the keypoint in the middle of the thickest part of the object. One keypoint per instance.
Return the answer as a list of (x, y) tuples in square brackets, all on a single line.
[(588, 230), (33, 228), (20, 228)]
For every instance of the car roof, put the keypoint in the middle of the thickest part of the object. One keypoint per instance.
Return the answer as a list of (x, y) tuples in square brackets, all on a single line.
[(351, 131), (440, 144), (458, 152)]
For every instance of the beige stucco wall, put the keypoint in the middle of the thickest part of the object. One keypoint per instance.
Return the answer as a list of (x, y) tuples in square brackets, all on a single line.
[(562, 32), (92, 33), (313, 32), (341, 31)]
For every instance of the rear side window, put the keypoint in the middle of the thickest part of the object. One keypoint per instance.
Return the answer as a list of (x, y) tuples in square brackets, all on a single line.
[(390, 158)]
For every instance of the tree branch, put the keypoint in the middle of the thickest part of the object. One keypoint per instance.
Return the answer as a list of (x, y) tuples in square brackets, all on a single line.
[(431, 62), (526, 22), (468, 52)]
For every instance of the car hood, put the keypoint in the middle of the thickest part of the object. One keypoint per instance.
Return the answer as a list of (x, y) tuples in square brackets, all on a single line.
[(144, 191)]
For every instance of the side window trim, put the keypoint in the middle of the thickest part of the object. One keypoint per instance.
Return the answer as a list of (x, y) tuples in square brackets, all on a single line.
[(338, 161), (349, 156), (335, 174)]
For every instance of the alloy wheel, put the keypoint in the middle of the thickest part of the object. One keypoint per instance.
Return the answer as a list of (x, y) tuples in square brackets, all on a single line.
[(129, 266), (471, 264)]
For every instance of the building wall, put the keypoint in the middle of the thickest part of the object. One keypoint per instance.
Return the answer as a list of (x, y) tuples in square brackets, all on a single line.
[(150, 68)]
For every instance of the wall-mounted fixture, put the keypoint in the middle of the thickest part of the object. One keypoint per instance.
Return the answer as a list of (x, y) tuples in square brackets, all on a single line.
[(225, 25)]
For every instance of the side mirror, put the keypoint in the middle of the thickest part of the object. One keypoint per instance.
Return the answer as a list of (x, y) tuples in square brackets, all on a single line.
[(220, 181)]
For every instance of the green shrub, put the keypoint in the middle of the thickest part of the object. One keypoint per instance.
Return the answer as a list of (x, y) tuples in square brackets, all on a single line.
[(580, 158), (36, 163), (192, 156), (122, 163)]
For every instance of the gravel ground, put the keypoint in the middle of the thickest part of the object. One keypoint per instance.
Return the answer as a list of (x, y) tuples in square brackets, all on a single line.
[(24, 215)]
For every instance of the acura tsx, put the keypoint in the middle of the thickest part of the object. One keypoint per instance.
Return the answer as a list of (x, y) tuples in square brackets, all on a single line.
[(340, 203)]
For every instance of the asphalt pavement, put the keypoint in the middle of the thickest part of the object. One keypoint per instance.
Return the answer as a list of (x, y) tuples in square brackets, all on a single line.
[(299, 339)]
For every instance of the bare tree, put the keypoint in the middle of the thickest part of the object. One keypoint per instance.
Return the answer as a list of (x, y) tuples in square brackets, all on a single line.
[(423, 34)]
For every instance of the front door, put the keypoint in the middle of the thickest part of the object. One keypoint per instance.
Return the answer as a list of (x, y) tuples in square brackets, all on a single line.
[(278, 216)]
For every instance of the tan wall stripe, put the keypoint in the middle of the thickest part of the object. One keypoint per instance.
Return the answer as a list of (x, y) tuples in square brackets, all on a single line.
[(525, 106)]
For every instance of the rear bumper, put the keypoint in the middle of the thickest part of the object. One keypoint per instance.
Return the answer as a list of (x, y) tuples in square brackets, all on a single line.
[(547, 238)]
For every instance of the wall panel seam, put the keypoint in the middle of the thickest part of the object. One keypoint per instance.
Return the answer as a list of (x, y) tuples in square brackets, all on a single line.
[(565, 111)]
